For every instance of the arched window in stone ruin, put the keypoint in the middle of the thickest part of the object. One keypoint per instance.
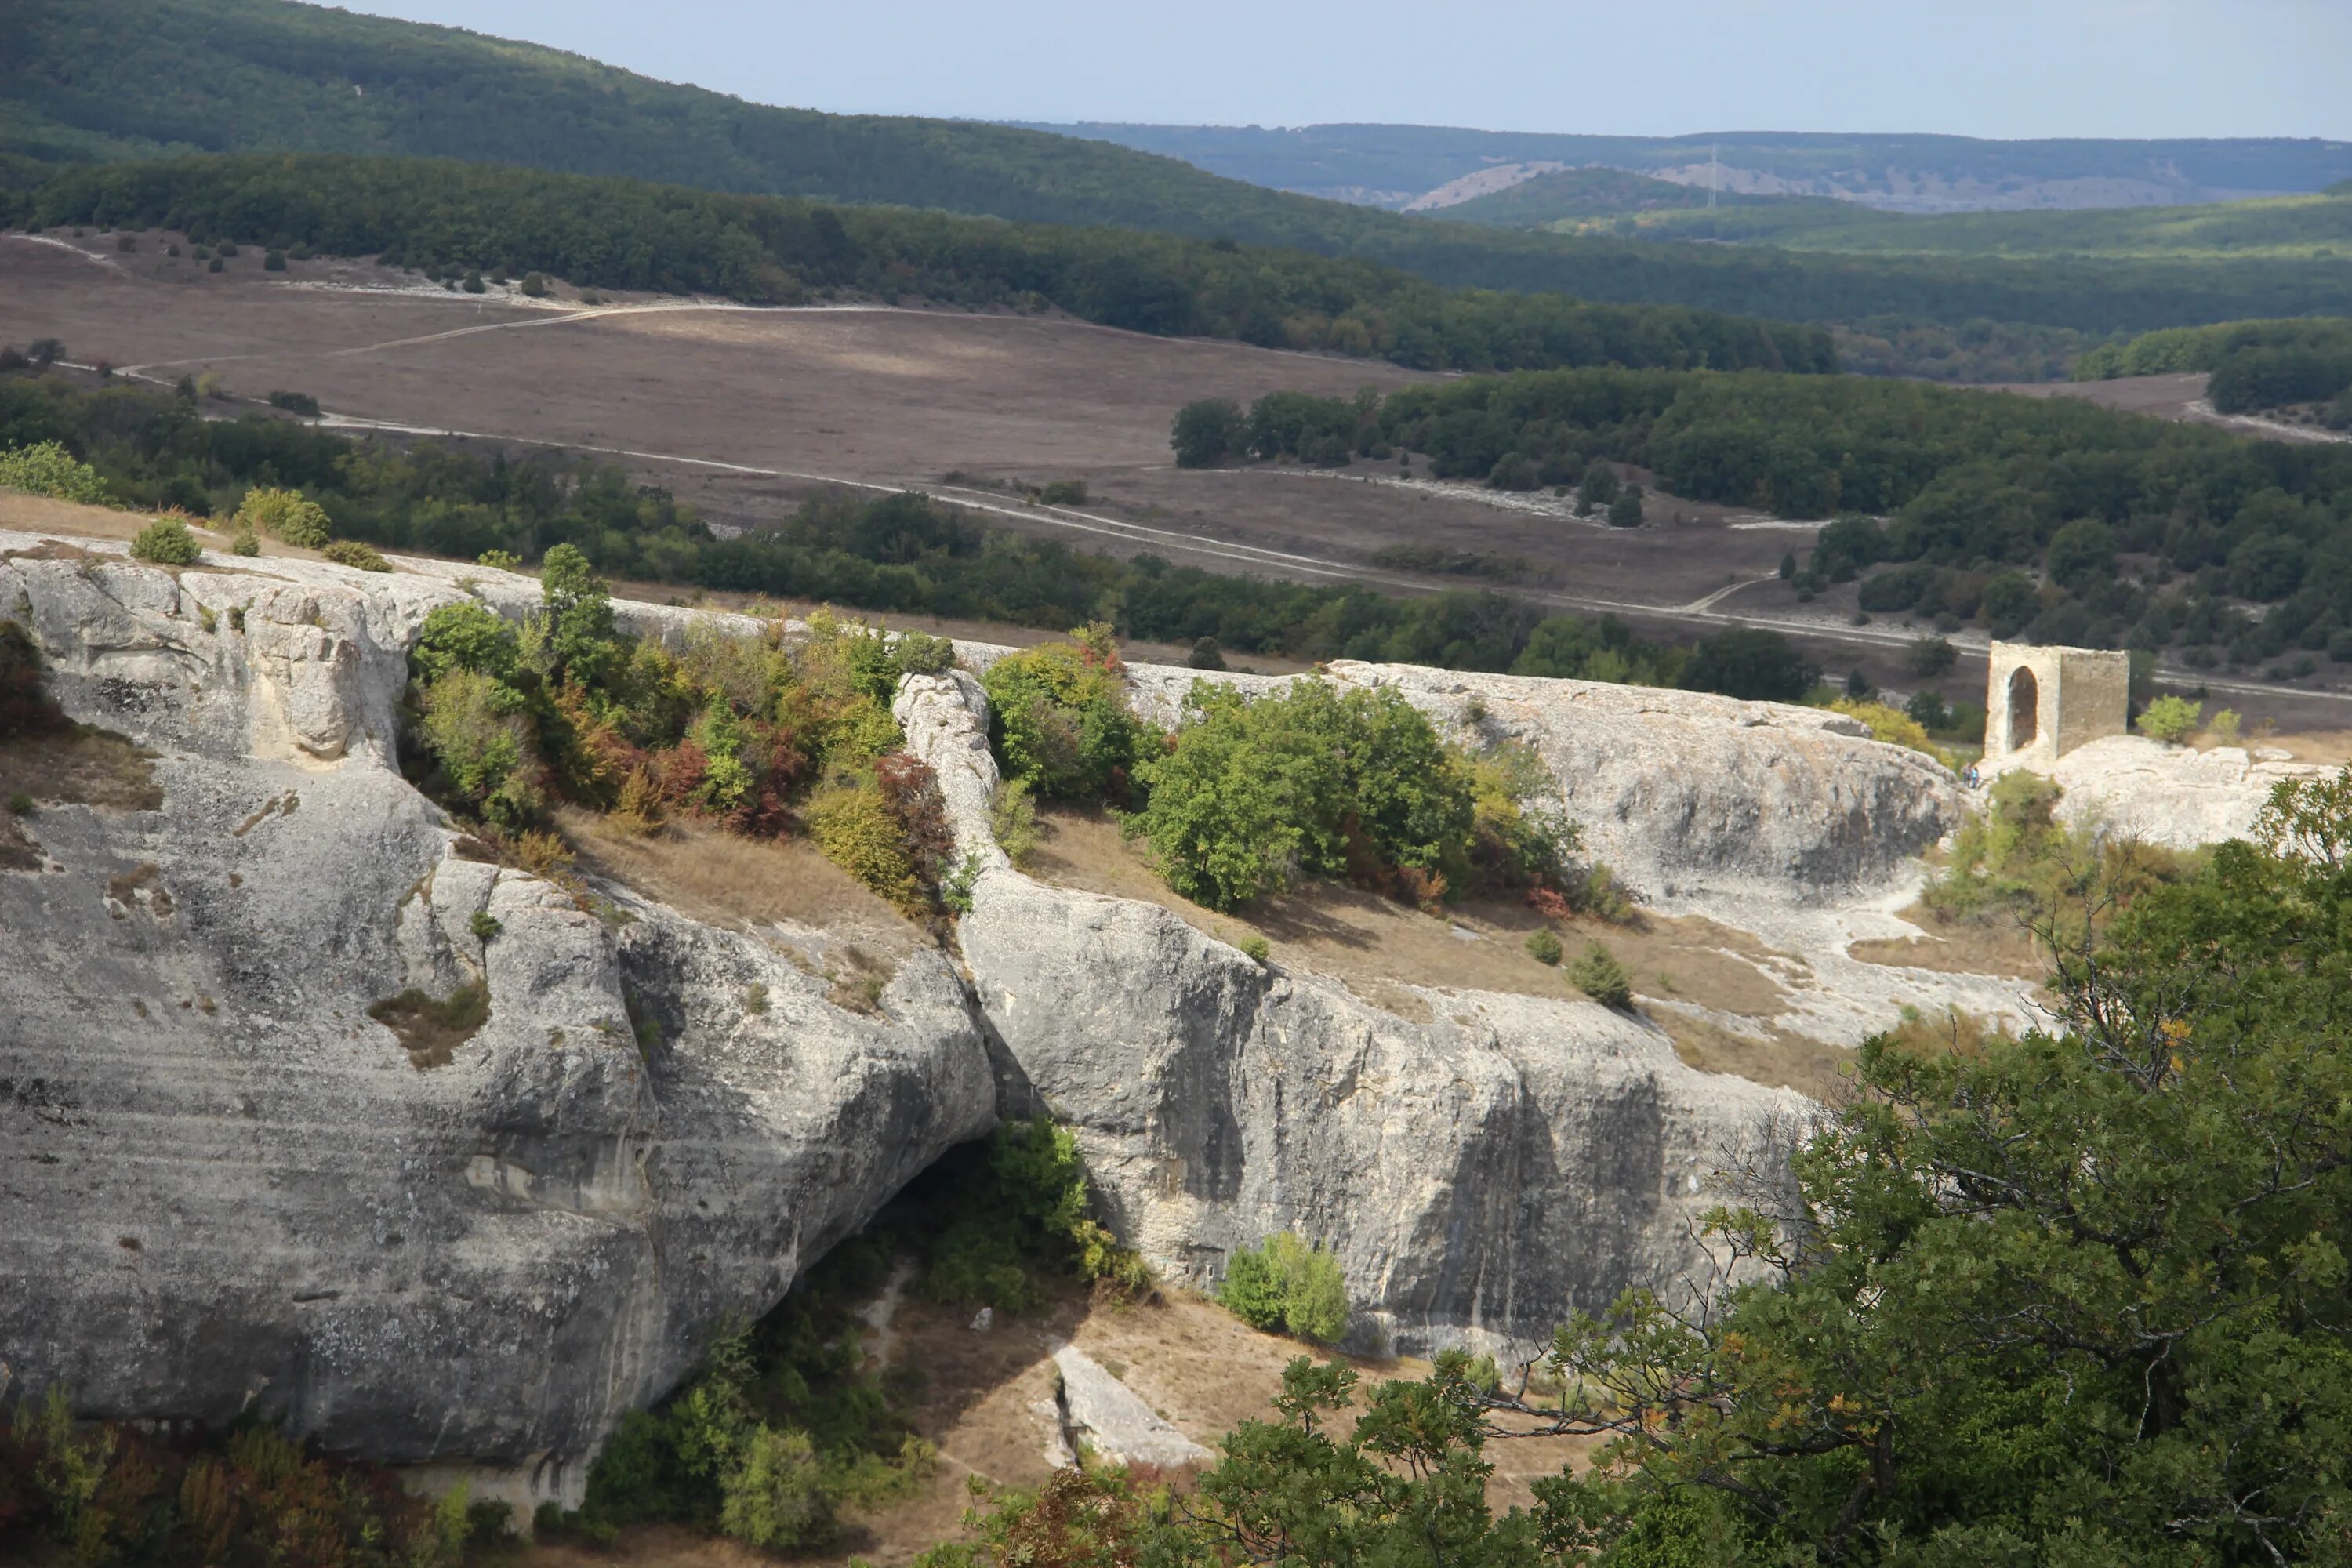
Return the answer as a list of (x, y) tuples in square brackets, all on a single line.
[(2025, 709)]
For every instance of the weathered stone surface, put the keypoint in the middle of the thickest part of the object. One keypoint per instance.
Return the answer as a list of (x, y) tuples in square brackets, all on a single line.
[(224, 1185), (1476, 1175), (2133, 788), (1106, 1415)]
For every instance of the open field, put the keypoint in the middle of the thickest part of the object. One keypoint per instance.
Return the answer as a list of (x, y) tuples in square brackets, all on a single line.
[(744, 411)]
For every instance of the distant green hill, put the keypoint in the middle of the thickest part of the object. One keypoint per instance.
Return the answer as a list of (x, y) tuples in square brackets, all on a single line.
[(1596, 193), (83, 79), (1392, 164)]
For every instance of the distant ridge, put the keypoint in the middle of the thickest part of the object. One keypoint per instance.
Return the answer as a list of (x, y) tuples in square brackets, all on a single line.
[(1394, 165)]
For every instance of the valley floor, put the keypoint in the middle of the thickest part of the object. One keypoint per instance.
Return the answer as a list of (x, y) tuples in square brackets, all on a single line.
[(744, 411)]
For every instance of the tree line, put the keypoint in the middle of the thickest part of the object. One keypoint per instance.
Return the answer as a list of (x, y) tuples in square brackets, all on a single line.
[(904, 555), (452, 218), (2019, 514)]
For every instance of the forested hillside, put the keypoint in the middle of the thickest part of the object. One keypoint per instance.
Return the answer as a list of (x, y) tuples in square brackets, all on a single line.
[(452, 217), (114, 78), (2050, 519), (1599, 193)]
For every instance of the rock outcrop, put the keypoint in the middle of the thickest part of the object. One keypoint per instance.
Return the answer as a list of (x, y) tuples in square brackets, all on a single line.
[(1476, 1174), (2133, 788), (1699, 801), (226, 1186)]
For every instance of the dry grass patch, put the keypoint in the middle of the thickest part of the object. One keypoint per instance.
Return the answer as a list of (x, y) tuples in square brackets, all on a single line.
[(79, 766), (713, 876), (431, 1030), (1998, 946), (1781, 1060)]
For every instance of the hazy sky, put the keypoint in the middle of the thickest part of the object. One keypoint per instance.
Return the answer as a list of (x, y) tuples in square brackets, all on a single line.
[(1981, 67)]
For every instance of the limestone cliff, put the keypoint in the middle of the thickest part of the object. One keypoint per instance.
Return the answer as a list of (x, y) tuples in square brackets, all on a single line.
[(225, 1185), (1476, 1174)]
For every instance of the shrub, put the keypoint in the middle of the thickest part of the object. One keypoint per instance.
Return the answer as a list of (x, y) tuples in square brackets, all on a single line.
[(534, 286), (166, 542), (1205, 655), (285, 515), (1543, 946), (484, 925), (1625, 511), (46, 468), (2169, 719), (300, 403), (354, 553), (1600, 976), (1252, 792), (1255, 948), (1289, 1286), (1060, 718), (1012, 818), (775, 1496), (1896, 727), (244, 541), (852, 823), (273, 261), (2224, 726), (1064, 492)]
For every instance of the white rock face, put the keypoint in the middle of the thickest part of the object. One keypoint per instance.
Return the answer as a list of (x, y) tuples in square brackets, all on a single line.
[(2138, 788), (224, 1186)]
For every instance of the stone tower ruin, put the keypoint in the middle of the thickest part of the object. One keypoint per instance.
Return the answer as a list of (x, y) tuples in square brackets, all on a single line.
[(2042, 702)]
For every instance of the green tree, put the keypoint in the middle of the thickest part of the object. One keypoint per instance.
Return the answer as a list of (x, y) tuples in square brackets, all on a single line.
[(1752, 664), (1599, 487), (575, 618), (775, 1496), (1625, 511), (1207, 432)]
